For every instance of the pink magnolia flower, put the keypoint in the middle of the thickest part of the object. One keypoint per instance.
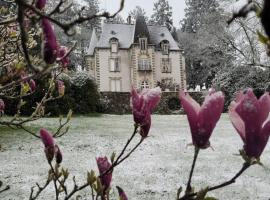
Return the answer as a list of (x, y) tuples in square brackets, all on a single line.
[(202, 119), (48, 142), (61, 88), (62, 51), (2, 107), (249, 117), (32, 85), (122, 194), (40, 4), (103, 165), (142, 105), (50, 45)]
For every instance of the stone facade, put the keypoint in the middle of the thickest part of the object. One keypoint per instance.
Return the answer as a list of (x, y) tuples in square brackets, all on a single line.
[(138, 55)]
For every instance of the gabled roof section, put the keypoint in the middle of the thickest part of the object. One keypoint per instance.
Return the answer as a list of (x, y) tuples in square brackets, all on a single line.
[(92, 44), (141, 29), (122, 32), (161, 33), (128, 34)]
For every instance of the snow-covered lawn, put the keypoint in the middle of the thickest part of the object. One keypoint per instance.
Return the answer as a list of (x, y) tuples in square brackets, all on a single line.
[(153, 172)]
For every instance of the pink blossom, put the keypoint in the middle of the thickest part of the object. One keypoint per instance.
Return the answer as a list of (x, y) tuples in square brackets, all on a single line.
[(202, 119), (48, 142), (40, 4), (61, 88), (2, 107), (32, 85), (122, 194), (62, 51), (50, 45), (142, 105), (249, 116), (104, 165)]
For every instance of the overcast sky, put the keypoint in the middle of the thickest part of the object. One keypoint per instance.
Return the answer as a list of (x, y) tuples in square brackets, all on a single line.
[(178, 7)]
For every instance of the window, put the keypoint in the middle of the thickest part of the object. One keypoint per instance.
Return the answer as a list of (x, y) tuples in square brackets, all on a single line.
[(144, 65), (166, 65), (114, 45), (143, 43), (114, 65), (165, 46), (115, 85), (144, 85), (91, 64)]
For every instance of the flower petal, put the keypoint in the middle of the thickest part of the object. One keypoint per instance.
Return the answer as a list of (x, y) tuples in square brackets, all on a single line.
[(209, 115), (237, 121), (249, 111), (264, 104), (192, 108), (152, 97)]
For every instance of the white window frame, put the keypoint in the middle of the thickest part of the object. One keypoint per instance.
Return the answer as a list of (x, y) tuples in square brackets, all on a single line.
[(114, 47), (143, 44), (144, 64), (113, 84), (116, 66), (144, 85)]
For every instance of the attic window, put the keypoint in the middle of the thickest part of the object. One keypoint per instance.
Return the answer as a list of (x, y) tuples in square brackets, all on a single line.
[(165, 47), (113, 32), (162, 34), (114, 45), (143, 43)]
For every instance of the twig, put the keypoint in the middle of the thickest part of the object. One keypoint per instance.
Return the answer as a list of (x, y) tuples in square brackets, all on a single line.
[(245, 166), (40, 189), (196, 152), (67, 26), (5, 189), (8, 21), (115, 163)]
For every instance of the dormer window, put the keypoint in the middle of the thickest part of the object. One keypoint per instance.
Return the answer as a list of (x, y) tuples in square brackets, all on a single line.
[(143, 44), (114, 45), (165, 47)]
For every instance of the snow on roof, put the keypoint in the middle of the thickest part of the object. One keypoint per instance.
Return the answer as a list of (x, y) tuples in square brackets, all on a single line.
[(126, 33), (123, 32), (92, 44), (161, 33)]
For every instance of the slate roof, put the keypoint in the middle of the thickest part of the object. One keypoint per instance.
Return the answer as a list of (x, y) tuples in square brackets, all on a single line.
[(127, 34), (141, 29), (123, 32), (160, 33), (93, 43)]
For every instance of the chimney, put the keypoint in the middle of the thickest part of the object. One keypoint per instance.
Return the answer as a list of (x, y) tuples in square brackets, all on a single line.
[(129, 19)]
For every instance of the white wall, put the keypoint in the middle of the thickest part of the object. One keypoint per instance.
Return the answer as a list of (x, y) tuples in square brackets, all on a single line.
[(105, 74)]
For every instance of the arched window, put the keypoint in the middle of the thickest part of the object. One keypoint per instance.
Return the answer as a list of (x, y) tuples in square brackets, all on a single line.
[(114, 45), (165, 47)]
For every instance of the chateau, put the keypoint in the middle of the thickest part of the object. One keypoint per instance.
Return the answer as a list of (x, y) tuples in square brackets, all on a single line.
[(138, 54)]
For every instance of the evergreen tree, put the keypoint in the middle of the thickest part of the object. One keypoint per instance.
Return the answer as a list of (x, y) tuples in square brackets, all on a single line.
[(138, 11), (195, 12), (204, 39), (162, 14)]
